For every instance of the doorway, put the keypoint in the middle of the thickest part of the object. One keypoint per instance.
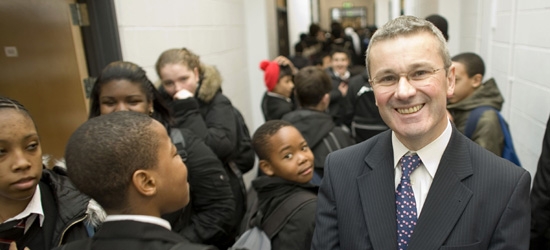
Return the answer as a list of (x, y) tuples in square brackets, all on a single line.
[(43, 65)]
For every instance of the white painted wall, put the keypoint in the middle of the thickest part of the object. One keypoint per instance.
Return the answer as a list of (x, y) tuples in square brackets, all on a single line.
[(526, 77), (299, 19), (451, 11), (382, 13), (261, 45)]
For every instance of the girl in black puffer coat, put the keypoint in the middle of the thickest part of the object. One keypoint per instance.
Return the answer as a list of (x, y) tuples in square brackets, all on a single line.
[(124, 86)]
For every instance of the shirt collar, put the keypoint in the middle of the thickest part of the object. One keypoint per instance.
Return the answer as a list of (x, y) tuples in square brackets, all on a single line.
[(141, 218), (273, 94), (344, 76), (430, 154), (34, 207)]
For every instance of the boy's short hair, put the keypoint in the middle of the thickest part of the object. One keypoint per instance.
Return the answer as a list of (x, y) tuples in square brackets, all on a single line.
[(311, 84), (441, 23), (314, 29), (260, 139), (338, 49), (285, 70), (473, 64), (104, 152)]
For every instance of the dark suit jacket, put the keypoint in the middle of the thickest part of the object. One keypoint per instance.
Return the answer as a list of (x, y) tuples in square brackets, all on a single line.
[(133, 235), (540, 198), (477, 200)]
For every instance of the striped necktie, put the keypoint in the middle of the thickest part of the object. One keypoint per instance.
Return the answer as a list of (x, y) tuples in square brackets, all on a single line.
[(11, 231)]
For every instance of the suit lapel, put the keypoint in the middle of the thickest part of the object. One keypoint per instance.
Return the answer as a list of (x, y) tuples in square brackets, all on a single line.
[(447, 197), (377, 192)]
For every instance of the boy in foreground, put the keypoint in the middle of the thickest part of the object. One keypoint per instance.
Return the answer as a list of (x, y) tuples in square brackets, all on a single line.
[(127, 162)]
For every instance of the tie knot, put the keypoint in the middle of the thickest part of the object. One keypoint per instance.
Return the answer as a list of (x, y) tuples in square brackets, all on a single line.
[(409, 163)]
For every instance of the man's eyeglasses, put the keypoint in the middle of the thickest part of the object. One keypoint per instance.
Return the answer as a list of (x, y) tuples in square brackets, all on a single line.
[(414, 77)]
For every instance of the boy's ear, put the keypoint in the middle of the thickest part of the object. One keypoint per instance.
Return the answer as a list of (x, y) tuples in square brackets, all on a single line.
[(266, 167), (477, 80), (326, 99), (144, 182)]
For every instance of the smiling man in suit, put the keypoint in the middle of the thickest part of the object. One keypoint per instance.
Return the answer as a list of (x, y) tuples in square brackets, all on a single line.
[(422, 184)]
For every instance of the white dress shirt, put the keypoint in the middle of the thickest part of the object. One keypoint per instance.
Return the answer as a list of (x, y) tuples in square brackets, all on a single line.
[(422, 177), (33, 210), (141, 218)]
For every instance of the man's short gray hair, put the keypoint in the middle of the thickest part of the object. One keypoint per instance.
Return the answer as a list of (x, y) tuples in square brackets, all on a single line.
[(408, 25)]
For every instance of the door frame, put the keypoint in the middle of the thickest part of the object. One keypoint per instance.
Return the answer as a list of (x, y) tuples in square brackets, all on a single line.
[(101, 38)]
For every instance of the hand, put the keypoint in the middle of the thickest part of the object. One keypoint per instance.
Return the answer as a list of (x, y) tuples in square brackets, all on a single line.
[(343, 87), (183, 94), (13, 246), (282, 60)]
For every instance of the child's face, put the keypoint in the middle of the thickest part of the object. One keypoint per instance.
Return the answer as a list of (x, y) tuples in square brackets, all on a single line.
[(20, 157), (326, 62), (171, 173), (290, 157), (123, 95), (177, 76), (464, 85), (340, 62), (284, 87)]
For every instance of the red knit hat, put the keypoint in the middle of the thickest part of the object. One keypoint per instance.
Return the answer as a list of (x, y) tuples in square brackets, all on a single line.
[(271, 73)]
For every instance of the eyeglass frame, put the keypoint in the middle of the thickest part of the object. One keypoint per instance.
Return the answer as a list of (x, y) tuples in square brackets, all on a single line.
[(407, 76)]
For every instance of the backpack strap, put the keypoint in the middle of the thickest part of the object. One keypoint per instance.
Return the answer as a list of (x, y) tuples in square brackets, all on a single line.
[(508, 151), (473, 118), (179, 142), (335, 143), (280, 216)]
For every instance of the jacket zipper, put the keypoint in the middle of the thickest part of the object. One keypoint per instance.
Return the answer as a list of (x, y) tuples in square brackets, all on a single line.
[(69, 226)]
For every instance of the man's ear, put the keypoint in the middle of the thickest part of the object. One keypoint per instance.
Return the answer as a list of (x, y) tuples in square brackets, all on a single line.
[(144, 182), (477, 78), (451, 80), (266, 167)]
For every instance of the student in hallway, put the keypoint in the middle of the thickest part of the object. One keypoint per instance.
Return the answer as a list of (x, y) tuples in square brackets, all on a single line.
[(278, 79), (191, 87), (39, 208), (128, 163), (361, 114), (470, 93), (321, 133), (287, 162), (339, 74)]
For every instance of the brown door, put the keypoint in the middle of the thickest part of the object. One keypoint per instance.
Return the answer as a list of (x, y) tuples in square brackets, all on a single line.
[(45, 72)]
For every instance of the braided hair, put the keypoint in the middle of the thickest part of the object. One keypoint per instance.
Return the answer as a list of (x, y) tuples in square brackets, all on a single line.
[(6, 102)]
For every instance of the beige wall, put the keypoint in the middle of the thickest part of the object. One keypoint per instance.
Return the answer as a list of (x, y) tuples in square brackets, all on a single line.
[(326, 5), (46, 75)]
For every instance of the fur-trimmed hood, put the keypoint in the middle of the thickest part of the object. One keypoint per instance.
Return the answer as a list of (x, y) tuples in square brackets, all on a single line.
[(210, 83)]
